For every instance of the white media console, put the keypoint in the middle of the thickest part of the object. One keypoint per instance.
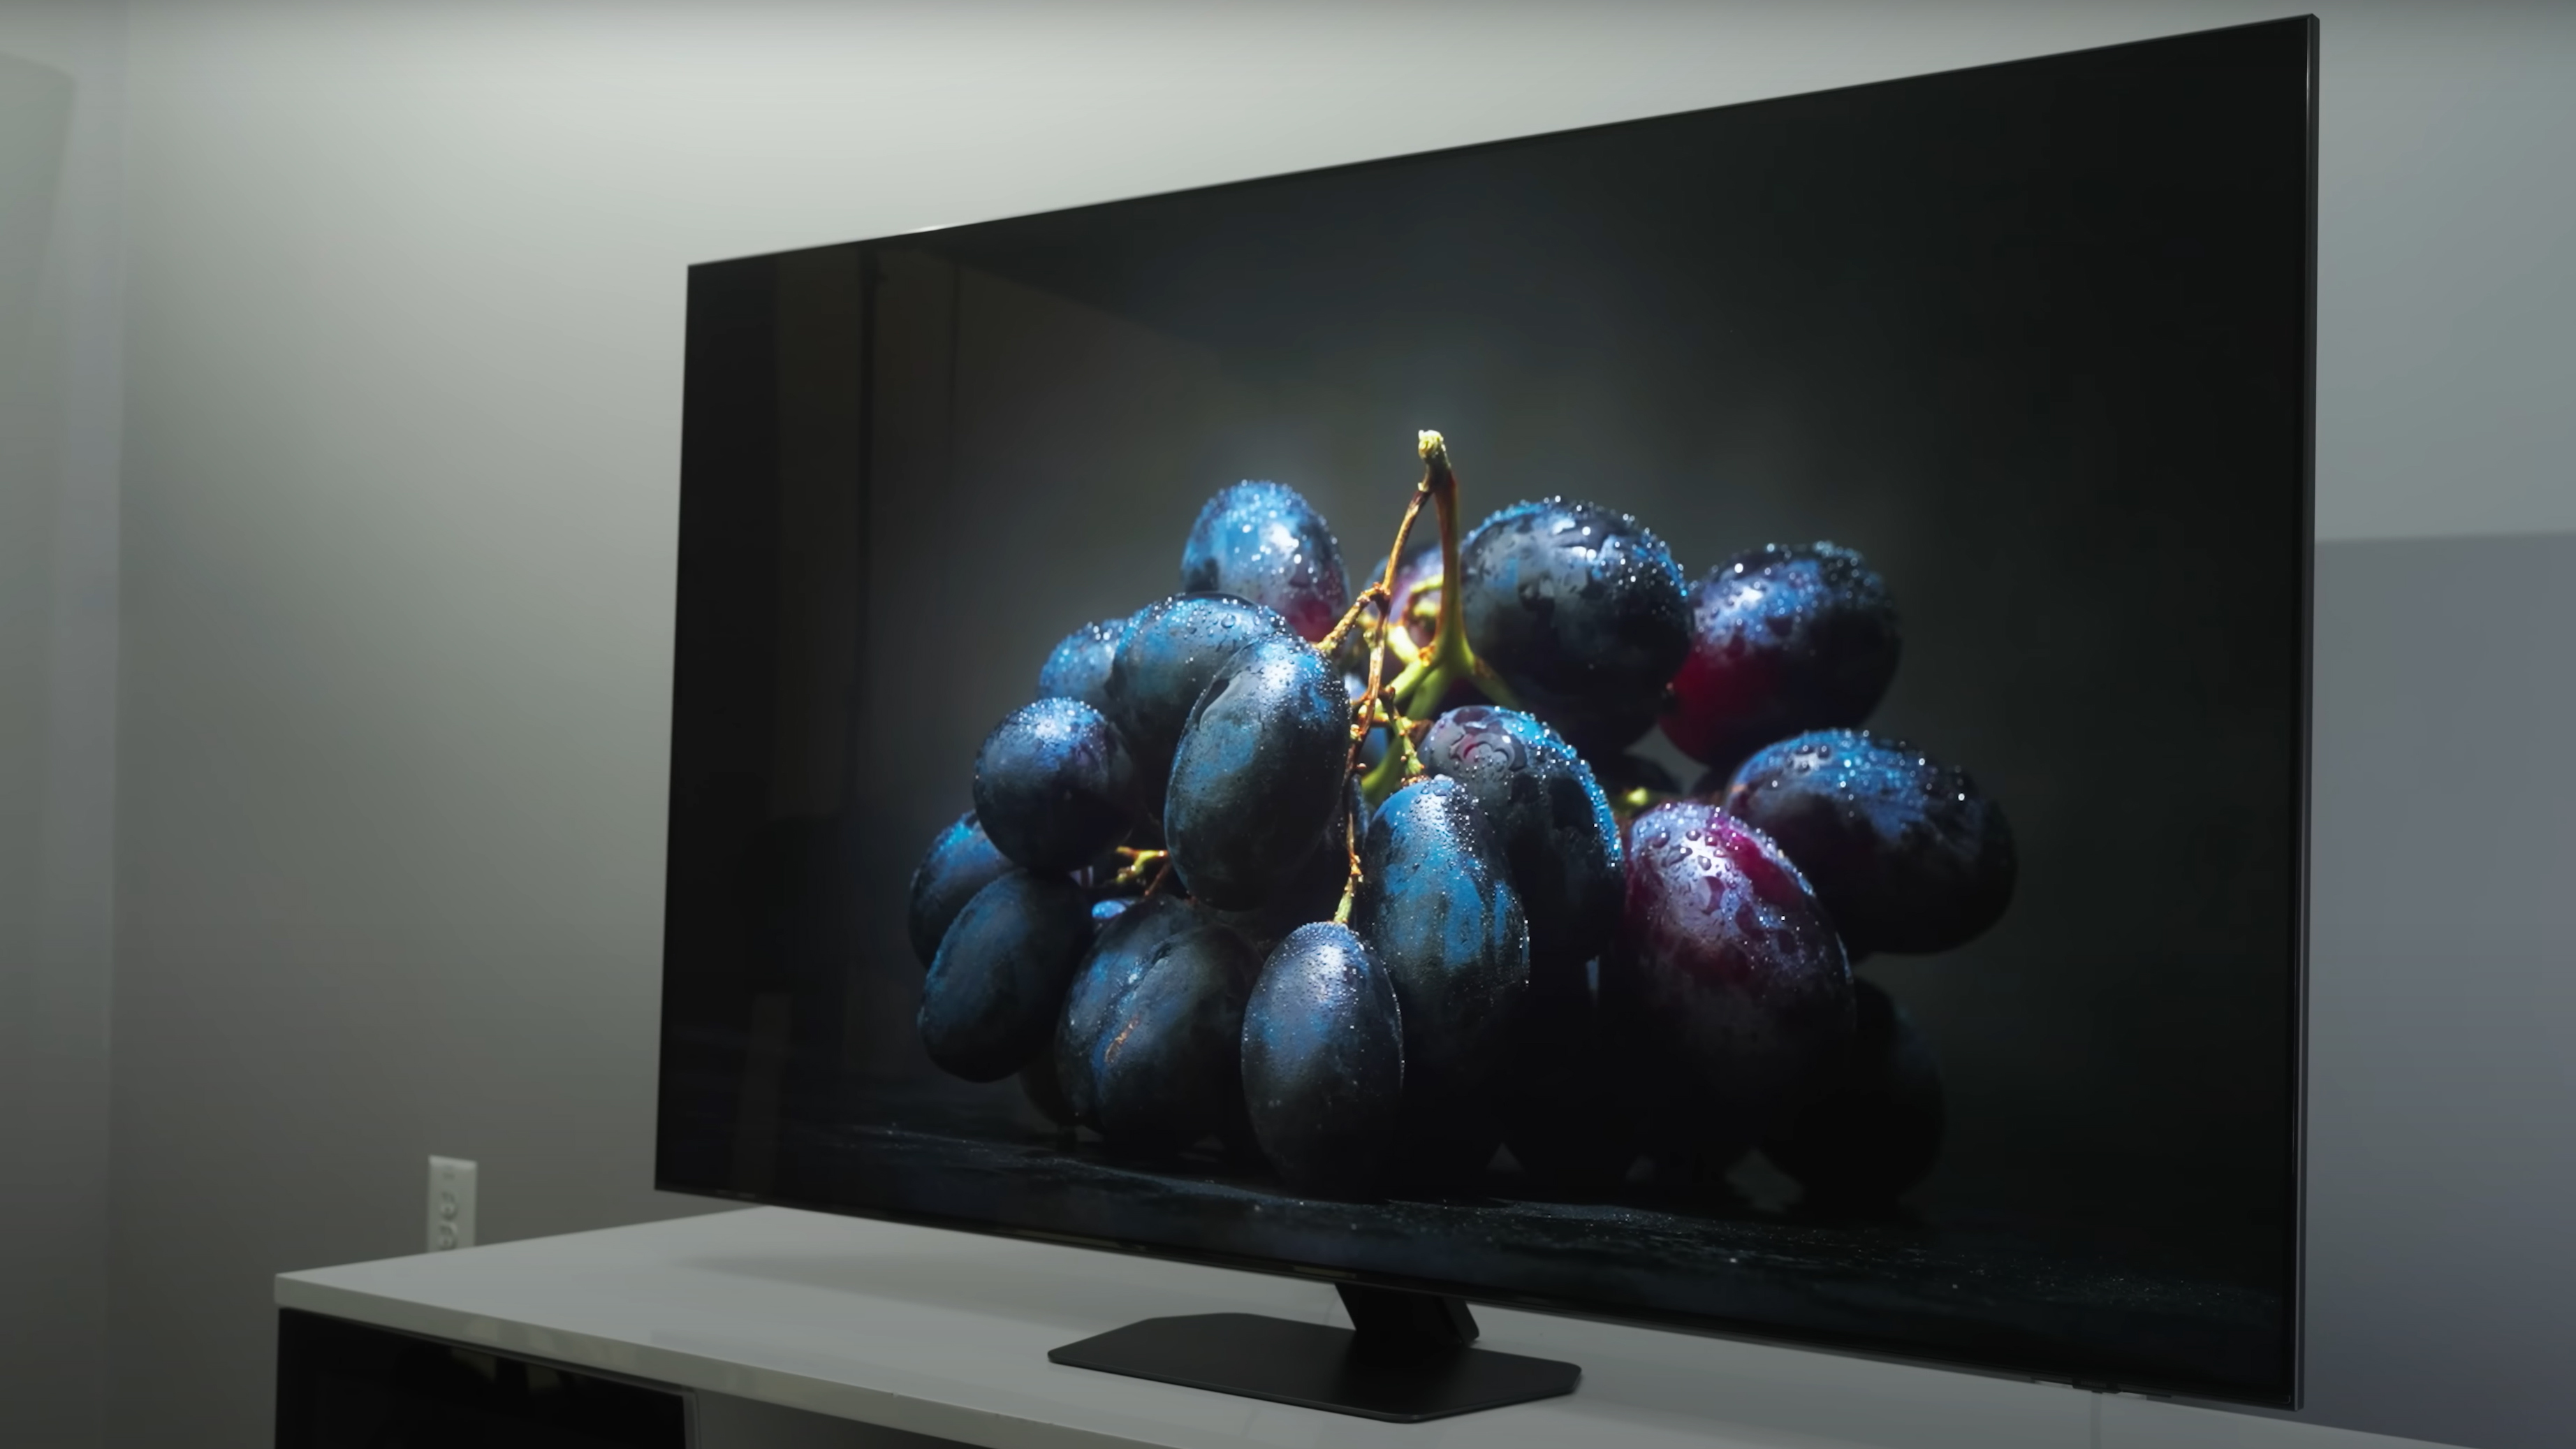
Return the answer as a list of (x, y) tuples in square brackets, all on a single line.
[(790, 1329)]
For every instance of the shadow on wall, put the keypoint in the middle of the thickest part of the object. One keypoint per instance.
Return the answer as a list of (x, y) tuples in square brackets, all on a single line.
[(35, 116), (42, 1362)]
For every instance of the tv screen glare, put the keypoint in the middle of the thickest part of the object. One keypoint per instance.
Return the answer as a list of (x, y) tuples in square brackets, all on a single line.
[(1699, 721)]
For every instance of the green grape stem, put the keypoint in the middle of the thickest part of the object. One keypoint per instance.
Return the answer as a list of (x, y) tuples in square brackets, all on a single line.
[(1400, 765), (1439, 667), (1351, 882), (1138, 862), (1449, 660)]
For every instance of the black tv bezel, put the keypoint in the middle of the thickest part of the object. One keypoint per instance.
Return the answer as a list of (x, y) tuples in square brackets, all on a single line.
[(2291, 1382)]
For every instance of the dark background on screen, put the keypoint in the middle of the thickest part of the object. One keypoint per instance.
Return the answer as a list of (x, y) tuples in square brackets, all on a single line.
[(2032, 338)]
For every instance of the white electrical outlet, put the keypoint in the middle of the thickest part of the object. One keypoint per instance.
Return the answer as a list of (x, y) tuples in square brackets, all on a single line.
[(451, 1204)]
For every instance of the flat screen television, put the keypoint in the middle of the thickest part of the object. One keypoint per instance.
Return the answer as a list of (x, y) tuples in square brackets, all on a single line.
[(1699, 721)]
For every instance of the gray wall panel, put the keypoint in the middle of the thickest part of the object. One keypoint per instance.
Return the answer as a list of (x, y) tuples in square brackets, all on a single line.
[(2441, 1162)]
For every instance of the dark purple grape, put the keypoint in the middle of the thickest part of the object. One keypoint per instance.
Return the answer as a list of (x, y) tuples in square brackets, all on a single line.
[(1622, 773), (1582, 612), (1168, 655), (996, 986), (1417, 575), (1632, 784), (1259, 774), (1551, 819), (1079, 667), (1312, 890), (960, 863), (1262, 541), (1728, 986), (1046, 1093), (1906, 853), (1123, 950), (1437, 909), (1166, 1068), (1782, 640), (1055, 786), (1447, 1149), (1566, 1097), (1416, 600), (1700, 1170), (1877, 1129), (1323, 1061), (1085, 993)]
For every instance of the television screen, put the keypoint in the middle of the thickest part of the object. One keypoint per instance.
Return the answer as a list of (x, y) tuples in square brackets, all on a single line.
[(1699, 721)]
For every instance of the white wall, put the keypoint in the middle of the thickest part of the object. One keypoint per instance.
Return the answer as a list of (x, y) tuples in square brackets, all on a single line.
[(401, 462), (60, 75)]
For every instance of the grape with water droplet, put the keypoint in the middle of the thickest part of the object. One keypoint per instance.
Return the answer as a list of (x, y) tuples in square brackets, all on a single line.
[(1728, 985), (1906, 853), (1262, 541), (1782, 640), (1581, 611)]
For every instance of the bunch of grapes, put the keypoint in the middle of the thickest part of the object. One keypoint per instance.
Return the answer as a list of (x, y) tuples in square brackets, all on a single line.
[(1364, 887)]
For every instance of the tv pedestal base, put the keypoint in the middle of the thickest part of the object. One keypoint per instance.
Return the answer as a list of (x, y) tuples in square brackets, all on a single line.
[(1408, 1359)]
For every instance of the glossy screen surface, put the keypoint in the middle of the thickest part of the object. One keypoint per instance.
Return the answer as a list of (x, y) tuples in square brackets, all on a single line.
[(2033, 341)]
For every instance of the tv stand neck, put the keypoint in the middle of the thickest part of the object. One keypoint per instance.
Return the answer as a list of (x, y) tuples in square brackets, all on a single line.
[(1393, 1326)]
